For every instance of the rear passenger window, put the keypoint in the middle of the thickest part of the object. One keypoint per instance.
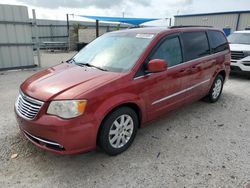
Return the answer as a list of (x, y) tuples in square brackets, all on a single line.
[(195, 45), (218, 41), (170, 51)]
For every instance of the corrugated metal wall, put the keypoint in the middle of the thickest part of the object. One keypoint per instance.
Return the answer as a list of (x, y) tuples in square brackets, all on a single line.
[(244, 21), (227, 20), (16, 48), (218, 21), (56, 31), (51, 30)]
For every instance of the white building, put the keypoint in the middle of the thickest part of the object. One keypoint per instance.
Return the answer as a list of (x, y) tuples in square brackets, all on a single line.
[(228, 21)]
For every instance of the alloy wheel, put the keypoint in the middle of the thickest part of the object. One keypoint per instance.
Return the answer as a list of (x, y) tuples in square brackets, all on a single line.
[(121, 131), (217, 89)]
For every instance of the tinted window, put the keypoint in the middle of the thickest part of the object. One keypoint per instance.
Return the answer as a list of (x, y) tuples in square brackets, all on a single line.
[(195, 45), (217, 41), (169, 50)]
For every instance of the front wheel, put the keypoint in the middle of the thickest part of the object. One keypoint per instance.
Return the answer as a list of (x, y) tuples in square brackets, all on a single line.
[(118, 130), (216, 89)]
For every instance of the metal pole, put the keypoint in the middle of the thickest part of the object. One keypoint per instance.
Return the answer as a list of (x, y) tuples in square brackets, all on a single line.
[(97, 28), (37, 38), (238, 22), (51, 32), (170, 21), (67, 15)]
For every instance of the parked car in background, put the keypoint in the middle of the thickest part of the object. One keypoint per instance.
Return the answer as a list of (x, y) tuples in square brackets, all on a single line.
[(118, 83), (239, 42)]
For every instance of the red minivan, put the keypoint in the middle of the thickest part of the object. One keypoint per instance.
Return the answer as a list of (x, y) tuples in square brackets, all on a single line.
[(118, 83)]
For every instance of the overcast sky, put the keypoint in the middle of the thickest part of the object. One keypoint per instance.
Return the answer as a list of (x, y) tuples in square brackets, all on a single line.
[(56, 9)]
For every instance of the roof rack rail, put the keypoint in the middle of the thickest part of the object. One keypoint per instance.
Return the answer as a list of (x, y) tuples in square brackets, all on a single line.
[(183, 26)]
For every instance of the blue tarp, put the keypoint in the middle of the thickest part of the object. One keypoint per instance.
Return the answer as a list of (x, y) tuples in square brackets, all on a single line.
[(133, 21)]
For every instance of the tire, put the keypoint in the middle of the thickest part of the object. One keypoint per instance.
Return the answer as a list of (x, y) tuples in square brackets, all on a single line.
[(115, 137), (216, 89)]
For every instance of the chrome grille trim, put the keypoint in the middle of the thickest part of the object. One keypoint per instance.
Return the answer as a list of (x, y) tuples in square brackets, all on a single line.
[(43, 140), (27, 107), (238, 55)]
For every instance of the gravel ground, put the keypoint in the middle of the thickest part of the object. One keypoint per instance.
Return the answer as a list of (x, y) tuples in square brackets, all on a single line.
[(200, 145)]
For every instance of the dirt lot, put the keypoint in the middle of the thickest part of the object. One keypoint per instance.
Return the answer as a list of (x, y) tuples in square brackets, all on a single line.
[(201, 145)]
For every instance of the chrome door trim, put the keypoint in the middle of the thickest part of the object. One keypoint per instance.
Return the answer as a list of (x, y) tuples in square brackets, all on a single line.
[(179, 92)]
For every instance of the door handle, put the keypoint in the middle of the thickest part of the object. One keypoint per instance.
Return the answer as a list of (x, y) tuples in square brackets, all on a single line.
[(213, 62), (182, 70)]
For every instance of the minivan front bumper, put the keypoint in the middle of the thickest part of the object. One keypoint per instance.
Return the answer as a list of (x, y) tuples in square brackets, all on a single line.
[(59, 135)]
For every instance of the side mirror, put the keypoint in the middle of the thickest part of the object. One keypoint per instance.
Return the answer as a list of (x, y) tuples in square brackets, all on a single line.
[(156, 65)]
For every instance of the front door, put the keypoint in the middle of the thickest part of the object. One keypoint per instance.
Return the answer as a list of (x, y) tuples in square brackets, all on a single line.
[(163, 91)]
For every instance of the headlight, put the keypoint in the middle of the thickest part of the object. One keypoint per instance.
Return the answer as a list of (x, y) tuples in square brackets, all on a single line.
[(67, 108)]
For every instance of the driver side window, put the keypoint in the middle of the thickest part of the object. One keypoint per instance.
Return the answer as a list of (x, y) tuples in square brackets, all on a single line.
[(170, 51)]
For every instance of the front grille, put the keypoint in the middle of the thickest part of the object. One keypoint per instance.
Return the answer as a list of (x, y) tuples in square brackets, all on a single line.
[(238, 55), (246, 64), (27, 107)]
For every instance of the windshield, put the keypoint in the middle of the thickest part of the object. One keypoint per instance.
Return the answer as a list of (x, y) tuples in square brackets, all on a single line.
[(239, 38), (116, 52)]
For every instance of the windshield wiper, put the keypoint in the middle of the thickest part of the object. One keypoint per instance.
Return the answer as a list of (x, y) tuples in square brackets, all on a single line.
[(89, 65), (70, 60)]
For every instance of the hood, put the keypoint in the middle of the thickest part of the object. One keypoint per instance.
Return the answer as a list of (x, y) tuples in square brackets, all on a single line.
[(53, 82), (239, 47)]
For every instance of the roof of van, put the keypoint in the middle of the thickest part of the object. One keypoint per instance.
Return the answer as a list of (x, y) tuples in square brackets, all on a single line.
[(157, 30)]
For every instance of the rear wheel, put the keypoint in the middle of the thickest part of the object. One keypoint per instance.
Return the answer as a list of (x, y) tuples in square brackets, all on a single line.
[(118, 130), (216, 89)]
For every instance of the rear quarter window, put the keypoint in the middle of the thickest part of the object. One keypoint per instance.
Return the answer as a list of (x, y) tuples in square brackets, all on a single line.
[(218, 41), (195, 45)]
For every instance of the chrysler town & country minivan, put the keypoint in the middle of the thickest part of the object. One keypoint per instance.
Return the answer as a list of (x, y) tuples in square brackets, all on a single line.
[(118, 83)]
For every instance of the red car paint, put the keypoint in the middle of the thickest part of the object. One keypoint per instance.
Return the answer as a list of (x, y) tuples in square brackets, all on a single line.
[(105, 91)]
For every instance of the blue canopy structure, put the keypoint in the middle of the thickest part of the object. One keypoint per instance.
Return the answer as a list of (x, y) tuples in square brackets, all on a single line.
[(133, 21)]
